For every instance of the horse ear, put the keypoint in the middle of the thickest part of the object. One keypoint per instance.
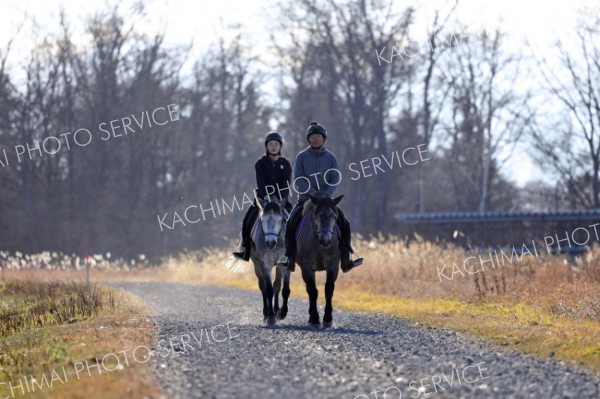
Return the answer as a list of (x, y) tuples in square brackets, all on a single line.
[(282, 203), (313, 198), (337, 200)]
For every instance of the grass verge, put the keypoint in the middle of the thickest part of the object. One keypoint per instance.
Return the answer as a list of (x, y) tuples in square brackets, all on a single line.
[(53, 333)]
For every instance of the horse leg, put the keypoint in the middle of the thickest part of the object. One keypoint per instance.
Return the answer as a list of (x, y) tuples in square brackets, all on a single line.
[(313, 294), (268, 293), (329, 287), (285, 294), (262, 286), (276, 289)]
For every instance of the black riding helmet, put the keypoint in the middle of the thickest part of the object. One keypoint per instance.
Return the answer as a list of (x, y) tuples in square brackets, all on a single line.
[(273, 136), (316, 128)]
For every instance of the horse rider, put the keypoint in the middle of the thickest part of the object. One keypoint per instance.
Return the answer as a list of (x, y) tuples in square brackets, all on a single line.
[(314, 170), (271, 170)]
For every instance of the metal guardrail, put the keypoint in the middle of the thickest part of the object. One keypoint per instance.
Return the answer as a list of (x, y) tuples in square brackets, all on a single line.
[(495, 217)]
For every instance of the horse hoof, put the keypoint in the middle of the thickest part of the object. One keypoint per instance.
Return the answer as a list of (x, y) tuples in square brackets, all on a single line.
[(327, 324), (270, 321), (281, 315), (314, 323)]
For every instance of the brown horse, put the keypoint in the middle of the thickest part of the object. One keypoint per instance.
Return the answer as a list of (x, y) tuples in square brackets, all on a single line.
[(318, 250)]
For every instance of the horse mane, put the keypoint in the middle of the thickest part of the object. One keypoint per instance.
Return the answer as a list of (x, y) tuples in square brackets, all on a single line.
[(324, 199), (308, 205)]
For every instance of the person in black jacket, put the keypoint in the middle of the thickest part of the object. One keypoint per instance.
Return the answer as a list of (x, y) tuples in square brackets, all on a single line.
[(272, 170)]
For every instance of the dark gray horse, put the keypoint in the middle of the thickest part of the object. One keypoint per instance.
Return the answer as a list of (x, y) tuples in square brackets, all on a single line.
[(268, 245), (317, 250)]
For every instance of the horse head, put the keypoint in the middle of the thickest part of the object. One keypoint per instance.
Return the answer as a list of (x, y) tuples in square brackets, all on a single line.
[(324, 216), (271, 219)]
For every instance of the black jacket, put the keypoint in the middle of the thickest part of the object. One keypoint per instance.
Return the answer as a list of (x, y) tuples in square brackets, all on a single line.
[(277, 174)]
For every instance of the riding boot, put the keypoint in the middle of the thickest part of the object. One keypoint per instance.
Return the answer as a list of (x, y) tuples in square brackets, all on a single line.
[(288, 261), (243, 252), (346, 245)]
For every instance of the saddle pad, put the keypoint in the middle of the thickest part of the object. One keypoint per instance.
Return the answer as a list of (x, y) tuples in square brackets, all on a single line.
[(254, 231)]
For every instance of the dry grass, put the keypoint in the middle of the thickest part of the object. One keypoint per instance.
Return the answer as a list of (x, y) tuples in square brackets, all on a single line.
[(32, 304), (553, 284)]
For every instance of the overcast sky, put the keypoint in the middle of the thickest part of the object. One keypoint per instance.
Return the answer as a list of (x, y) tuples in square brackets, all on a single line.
[(541, 22)]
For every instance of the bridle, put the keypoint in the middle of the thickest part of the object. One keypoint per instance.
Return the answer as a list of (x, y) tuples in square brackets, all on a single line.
[(323, 230), (272, 234)]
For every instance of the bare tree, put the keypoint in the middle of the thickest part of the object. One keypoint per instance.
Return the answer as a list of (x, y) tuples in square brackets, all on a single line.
[(432, 106), (571, 145), (488, 114)]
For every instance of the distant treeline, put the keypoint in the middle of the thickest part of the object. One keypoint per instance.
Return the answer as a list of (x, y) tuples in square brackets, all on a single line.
[(98, 142)]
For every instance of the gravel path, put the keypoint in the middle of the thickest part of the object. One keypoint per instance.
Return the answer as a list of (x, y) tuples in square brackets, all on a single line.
[(361, 357)]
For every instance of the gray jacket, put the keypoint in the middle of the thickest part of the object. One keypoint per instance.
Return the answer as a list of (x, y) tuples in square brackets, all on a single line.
[(312, 172)]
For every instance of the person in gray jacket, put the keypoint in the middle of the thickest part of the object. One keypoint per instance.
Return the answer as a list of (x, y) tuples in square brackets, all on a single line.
[(316, 170)]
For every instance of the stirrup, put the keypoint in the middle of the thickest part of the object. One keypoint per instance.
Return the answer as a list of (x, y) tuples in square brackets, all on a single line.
[(283, 262), (242, 254), (351, 264)]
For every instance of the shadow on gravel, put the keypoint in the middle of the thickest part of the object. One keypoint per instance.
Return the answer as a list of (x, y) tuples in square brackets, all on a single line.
[(323, 330)]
